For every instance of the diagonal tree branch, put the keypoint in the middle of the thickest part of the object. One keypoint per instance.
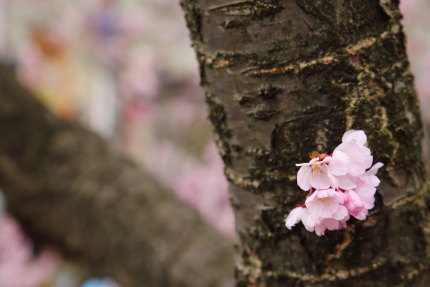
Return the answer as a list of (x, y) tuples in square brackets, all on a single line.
[(70, 189)]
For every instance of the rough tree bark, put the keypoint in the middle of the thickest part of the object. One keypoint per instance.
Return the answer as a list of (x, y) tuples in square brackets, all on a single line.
[(284, 78), (71, 190)]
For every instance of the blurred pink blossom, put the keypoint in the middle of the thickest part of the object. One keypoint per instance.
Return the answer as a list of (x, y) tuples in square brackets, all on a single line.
[(408, 8), (31, 65), (18, 265), (416, 23), (204, 186), (140, 78), (136, 23)]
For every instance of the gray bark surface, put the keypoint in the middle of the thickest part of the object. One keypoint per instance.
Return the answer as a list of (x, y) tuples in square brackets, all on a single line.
[(71, 190), (284, 78)]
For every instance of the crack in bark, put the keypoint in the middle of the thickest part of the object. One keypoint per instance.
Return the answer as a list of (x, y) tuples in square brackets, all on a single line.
[(330, 58), (242, 181), (248, 8), (338, 273)]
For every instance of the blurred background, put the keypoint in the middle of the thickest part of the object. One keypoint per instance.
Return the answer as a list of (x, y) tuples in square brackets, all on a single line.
[(125, 69)]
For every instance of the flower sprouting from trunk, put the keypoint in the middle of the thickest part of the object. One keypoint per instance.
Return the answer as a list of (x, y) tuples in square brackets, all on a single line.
[(340, 185)]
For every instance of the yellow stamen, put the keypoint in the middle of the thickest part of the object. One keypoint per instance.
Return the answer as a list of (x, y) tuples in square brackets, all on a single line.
[(315, 169), (325, 200)]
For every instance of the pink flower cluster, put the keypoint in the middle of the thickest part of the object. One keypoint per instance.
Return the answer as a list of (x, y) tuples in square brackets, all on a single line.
[(18, 265), (340, 185)]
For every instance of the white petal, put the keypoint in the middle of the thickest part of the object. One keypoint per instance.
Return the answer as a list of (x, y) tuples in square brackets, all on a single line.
[(294, 217), (302, 164)]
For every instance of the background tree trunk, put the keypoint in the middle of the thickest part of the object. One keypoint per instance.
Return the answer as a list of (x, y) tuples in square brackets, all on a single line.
[(71, 190), (284, 78)]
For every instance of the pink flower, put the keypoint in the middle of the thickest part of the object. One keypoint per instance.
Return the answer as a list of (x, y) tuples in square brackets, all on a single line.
[(324, 171), (18, 265), (311, 224), (339, 186), (326, 203), (314, 174)]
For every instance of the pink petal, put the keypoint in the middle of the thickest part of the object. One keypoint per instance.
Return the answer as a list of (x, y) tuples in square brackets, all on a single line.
[(362, 214), (355, 135), (320, 229), (302, 177), (366, 190), (308, 222), (323, 193), (373, 180), (323, 203), (359, 157), (331, 224), (341, 213), (320, 180), (346, 182), (339, 163), (321, 210), (371, 174), (354, 203), (368, 202), (374, 169), (334, 182)]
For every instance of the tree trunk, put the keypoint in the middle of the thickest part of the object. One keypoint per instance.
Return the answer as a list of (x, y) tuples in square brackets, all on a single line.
[(70, 189), (284, 78)]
